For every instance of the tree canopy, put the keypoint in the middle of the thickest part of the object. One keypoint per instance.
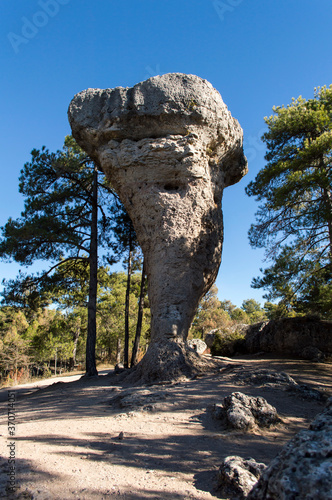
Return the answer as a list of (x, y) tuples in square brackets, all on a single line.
[(50, 340), (55, 225), (294, 220)]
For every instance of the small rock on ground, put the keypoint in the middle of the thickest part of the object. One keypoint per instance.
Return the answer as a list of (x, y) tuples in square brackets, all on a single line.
[(237, 476), (243, 412)]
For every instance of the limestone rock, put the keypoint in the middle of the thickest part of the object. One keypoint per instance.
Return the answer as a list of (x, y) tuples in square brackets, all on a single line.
[(169, 146), (237, 476), (303, 391), (277, 380), (138, 399), (312, 354), (198, 345), (266, 378), (303, 468), (243, 412), (308, 338)]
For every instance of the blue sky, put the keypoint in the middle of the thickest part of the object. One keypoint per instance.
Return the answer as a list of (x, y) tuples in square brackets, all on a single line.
[(256, 53)]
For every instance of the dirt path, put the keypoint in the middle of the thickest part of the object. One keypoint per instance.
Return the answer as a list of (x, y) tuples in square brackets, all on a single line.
[(72, 443), (31, 387)]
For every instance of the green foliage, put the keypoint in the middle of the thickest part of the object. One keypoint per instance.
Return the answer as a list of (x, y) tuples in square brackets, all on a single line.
[(70, 210), (63, 222), (254, 311), (55, 225), (223, 315), (52, 336), (294, 221), (111, 313), (125, 241), (227, 343), (33, 343), (278, 311), (209, 315), (14, 358), (239, 315)]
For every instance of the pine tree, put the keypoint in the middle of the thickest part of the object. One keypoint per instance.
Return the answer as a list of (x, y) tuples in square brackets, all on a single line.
[(294, 221), (63, 222)]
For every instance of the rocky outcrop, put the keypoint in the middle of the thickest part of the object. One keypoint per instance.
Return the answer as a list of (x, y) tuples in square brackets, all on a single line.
[(303, 469), (277, 380), (307, 338), (169, 146), (237, 476), (243, 412), (138, 399), (266, 378)]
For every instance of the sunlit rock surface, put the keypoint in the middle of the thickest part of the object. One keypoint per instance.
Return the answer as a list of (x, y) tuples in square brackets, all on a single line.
[(169, 146)]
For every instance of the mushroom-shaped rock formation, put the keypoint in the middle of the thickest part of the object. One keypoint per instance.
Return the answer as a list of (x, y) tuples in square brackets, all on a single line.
[(169, 146)]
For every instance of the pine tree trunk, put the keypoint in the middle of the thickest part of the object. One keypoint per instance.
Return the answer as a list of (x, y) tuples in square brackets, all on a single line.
[(91, 369), (139, 319), (126, 344), (328, 197), (72, 361), (55, 360), (118, 351), (75, 347)]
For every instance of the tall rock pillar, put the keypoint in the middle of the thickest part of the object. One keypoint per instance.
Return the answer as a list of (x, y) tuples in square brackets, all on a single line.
[(169, 146)]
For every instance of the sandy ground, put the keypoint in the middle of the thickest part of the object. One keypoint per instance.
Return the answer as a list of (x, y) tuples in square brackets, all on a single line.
[(72, 442), (31, 387)]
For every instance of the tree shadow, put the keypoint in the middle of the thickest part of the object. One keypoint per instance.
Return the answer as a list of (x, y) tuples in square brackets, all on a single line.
[(193, 449), (25, 470)]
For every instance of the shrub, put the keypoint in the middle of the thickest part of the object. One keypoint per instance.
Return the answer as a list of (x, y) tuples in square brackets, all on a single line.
[(227, 343)]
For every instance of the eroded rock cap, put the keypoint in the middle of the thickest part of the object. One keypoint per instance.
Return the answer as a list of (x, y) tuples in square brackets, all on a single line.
[(171, 104)]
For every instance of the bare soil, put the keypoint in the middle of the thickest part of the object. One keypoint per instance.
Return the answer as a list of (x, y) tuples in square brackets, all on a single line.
[(77, 440)]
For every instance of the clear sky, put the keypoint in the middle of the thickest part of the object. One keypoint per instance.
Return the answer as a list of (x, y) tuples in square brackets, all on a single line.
[(256, 53)]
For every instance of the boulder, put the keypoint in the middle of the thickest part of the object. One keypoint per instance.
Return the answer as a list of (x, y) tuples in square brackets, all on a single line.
[(237, 476), (243, 412), (312, 354), (198, 345), (169, 146), (307, 338), (303, 468)]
